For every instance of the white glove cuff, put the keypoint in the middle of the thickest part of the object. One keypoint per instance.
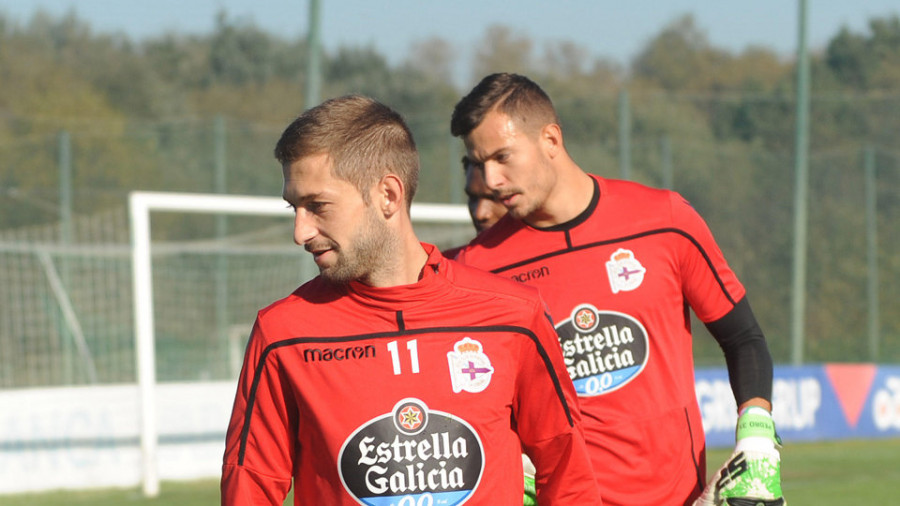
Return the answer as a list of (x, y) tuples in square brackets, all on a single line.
[(755, 431)]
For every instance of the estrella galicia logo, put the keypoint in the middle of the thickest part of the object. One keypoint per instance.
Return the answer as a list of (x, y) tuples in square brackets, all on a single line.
[(412, 456), (603, 350)]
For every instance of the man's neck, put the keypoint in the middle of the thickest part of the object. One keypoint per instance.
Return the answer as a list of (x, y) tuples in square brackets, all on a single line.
[(571, 195), (405, 268)]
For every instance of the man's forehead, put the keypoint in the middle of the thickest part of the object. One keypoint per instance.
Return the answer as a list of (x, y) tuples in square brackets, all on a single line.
[(497, 132), (311, 177), (318, 164)]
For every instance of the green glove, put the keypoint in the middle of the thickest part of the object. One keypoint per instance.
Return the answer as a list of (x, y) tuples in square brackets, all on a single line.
[(752, 475), (530, 493), (530, 498)]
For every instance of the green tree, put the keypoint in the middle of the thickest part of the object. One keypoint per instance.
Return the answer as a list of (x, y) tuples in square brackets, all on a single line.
[(433, 57), (679, 58), (240, 53), (358, 70), (864, 62), (502, 50)]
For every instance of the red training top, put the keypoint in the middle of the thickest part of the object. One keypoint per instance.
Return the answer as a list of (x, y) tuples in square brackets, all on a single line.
[(618, 280), (418, 394)]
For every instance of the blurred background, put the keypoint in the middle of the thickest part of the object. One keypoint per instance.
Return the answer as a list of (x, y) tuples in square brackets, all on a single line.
[(773, 145), (779, 121)]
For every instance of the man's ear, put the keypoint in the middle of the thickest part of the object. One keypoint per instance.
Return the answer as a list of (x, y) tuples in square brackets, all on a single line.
[(389, 195), (551, 139)]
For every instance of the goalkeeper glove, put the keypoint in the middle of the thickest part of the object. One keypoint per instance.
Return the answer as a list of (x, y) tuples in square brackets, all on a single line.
[(752, 475), (530, 498)]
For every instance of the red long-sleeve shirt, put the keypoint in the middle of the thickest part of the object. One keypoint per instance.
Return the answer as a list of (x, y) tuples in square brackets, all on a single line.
[(618, 280), (406, 395)]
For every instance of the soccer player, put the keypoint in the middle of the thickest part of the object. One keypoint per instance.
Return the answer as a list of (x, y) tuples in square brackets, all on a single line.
[(619, 264), (484, 208), (396, 376)]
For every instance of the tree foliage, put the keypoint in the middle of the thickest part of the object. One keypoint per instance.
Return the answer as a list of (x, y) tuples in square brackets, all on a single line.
[(143, 115)]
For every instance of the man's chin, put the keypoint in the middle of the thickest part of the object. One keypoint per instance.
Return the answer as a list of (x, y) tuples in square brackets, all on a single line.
[(336, 275), (518, 213)]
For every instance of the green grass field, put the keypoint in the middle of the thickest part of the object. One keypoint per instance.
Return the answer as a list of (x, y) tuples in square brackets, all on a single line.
[(823, 474)]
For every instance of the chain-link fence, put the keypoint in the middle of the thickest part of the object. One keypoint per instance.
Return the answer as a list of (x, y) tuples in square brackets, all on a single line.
[(65, 265)]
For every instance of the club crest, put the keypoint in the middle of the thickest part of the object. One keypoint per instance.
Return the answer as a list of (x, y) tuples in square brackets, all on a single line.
[(625, 271), (470, 368)]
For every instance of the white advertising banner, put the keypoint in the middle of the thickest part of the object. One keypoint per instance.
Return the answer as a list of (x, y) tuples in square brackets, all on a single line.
[(87, 437)]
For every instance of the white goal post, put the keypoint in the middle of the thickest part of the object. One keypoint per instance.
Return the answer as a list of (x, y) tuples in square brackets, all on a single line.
[(140, 206)]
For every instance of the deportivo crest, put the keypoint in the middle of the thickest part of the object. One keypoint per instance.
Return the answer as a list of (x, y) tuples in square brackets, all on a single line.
[(470, 368), (624, 270), (412, 455), (602, 350)]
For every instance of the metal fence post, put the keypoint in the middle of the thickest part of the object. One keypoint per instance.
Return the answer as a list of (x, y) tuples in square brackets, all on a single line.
[(665, 154), (874, 330), (801, 190), (624, 135)]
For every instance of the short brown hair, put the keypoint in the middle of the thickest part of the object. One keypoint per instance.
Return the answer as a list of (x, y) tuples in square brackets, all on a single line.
[(364, 138), (516, 96)]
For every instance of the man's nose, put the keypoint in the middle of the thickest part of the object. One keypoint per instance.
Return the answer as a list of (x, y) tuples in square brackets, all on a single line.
[(493, 176), (304, 227)]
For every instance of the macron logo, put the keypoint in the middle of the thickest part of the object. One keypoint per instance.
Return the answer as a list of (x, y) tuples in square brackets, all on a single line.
[(537, 272), (347, 353)]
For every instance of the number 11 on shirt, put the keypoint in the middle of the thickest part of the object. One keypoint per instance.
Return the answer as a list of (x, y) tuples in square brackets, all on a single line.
[(411, 346)]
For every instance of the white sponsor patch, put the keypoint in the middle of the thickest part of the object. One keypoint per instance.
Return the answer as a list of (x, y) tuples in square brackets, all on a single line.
[(603, 350), (412, 456)]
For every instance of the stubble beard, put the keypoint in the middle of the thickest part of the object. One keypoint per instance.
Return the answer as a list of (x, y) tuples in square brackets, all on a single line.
[(367, 252), (531, 199), (523, 207)]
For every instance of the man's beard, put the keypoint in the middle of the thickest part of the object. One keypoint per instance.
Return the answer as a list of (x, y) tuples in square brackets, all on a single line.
[(523, 207), (368, 251)]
